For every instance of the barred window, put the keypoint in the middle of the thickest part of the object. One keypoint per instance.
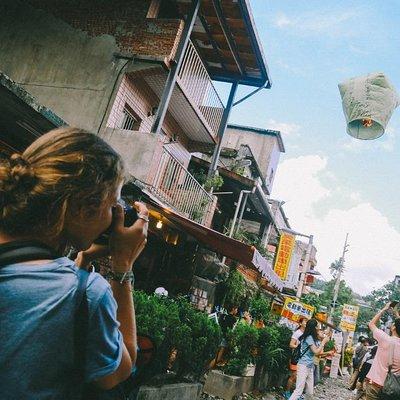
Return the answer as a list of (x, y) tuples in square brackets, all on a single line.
[(129, 121)]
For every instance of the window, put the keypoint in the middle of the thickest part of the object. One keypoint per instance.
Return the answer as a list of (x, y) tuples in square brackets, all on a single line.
[(130, 120)]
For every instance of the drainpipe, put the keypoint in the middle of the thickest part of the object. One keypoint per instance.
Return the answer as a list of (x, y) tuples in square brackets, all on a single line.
[(242, 192)]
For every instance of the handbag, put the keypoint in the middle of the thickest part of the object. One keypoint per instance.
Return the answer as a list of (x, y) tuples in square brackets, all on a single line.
[(391, 387)]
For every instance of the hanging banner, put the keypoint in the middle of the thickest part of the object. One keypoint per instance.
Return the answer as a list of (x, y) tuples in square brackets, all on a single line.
[(284, 255), (349, 317), (292, 311)]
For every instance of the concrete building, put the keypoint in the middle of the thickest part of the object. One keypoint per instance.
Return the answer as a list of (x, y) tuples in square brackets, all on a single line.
[(140, 74), (265, 145)]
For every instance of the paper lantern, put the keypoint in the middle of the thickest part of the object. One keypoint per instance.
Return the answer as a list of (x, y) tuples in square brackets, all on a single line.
[(368, 103)]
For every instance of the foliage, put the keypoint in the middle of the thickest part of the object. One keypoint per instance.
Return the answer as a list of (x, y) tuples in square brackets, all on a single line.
[(345, 296), (330, 345), (251, 239), (313, 300), (379, 297), (234, 289), (260, 308), (243, 341), (336, 267), (215, 182), (274, 351), (348, 355), (175, 324)]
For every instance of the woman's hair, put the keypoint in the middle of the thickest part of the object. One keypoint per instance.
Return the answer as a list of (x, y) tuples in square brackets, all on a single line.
[(65, 169), (311, 329)]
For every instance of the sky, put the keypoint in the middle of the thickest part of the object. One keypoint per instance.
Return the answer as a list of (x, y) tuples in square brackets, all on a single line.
[(331, 183)]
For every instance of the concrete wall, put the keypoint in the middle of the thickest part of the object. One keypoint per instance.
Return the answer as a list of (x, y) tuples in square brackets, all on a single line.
[(141, 151), (63, 54), (265, 149)]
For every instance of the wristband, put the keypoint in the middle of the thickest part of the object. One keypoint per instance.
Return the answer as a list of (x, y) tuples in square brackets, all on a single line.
[(121, 277)]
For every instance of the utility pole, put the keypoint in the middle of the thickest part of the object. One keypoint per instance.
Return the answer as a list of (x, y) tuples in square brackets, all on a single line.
[(337, 283), (305, 268)]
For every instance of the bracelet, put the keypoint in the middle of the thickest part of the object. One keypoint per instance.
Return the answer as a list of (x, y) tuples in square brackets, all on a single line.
[(121, 277), (144, 217)]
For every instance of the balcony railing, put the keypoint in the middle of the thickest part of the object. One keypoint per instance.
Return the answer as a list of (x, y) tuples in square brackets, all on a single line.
[(197, 84), (177, 187)]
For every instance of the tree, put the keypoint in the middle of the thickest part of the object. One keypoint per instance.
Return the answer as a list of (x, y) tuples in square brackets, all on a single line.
[(335, 267)]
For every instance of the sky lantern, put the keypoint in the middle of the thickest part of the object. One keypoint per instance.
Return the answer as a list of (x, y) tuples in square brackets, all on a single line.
[(368, 103)]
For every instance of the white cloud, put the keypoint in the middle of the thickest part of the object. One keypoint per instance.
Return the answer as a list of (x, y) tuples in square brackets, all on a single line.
[(374, 252), (328, 22), (286, 128)]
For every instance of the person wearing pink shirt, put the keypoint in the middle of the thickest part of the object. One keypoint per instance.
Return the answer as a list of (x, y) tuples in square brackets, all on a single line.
[(379, 369)]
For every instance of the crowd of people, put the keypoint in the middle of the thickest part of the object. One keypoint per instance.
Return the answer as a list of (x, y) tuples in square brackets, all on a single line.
[(66, 332), (375, 363)]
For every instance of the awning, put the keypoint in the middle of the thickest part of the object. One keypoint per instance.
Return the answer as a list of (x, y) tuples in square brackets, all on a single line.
[(221, 244), (22, 119)]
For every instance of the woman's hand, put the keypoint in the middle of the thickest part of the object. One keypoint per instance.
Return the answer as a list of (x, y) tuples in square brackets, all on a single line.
[(95, 251), (126, 243)]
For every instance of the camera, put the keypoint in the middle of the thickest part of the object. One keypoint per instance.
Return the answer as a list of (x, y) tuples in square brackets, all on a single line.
[(130, 215)]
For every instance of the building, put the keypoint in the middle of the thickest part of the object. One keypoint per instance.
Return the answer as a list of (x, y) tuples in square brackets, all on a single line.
[(140, 74)]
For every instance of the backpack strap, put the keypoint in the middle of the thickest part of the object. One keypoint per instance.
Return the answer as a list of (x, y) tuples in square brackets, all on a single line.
[(25, 250), (81, 319), (391, 356)]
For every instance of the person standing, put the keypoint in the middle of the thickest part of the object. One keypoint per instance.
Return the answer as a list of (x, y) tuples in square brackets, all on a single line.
[(386, 344), (359, 353), (294, 342), (305, 365), (63, 192)]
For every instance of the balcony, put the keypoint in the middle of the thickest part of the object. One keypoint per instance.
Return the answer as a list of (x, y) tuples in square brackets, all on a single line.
[(193, 78), (195, 104), (149, 159), (177, 187)]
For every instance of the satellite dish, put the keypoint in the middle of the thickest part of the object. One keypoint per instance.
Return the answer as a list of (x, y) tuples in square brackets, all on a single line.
[(368, 103)]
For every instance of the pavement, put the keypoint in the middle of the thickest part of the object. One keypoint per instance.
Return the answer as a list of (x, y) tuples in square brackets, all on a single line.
[(328, 389)]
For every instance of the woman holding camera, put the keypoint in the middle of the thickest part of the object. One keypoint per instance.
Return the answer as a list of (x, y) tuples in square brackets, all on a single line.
[(63, 192), (305, 365)]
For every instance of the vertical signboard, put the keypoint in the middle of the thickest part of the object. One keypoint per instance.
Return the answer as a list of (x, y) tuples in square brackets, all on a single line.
[(284, 254), (349, 318)]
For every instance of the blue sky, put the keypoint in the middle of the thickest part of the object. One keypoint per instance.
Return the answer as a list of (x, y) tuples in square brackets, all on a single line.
[(331, 182)]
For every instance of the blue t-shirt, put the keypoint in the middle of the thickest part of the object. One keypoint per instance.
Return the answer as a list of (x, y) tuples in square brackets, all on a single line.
[(308, 356), (36, 330)]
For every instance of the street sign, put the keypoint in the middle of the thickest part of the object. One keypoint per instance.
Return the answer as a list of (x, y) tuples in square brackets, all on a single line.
[(349, 317)]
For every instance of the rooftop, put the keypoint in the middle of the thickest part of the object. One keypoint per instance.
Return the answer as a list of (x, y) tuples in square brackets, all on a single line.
[(261, 131)]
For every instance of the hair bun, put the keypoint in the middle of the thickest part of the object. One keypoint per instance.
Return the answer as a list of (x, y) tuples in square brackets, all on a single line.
[(17, 178), (21, 169)]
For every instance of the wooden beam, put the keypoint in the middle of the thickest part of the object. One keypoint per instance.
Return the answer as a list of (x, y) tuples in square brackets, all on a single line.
[(228, 35)]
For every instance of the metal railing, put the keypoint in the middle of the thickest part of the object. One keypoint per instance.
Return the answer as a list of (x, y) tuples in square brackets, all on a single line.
[(177, 187), (196, 82)]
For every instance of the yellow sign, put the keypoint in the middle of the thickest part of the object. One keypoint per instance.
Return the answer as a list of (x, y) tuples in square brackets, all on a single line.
[(349, 318), (284, 255), (293, 310)]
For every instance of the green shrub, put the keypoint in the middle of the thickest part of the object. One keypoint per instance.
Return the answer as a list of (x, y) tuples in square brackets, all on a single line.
[(234, 289), (273, 348), (260, 308), (242, 343), (176, 325)]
